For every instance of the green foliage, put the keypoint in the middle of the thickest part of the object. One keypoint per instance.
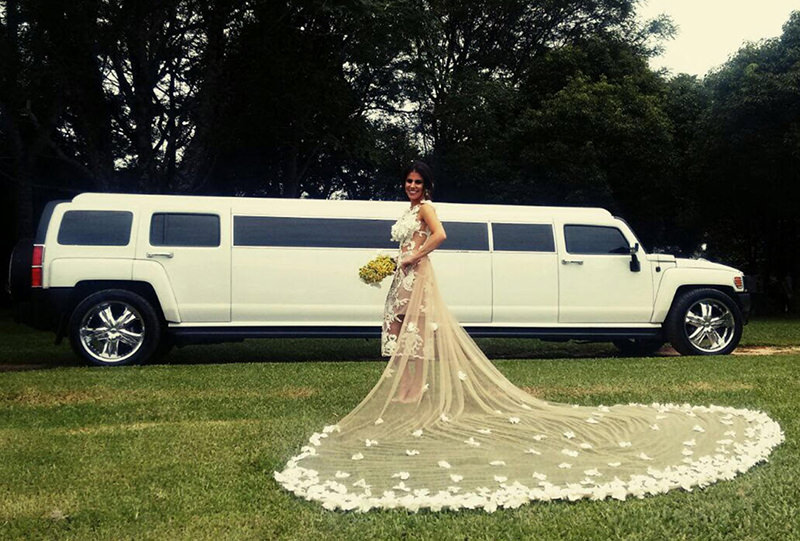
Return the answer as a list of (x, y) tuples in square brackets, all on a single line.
[(746, 157), (305, 75), (511, 101)]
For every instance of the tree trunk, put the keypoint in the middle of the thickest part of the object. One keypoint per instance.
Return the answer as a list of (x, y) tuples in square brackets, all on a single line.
[(12, 105)]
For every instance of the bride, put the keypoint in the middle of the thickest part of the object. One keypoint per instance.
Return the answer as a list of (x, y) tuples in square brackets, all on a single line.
[(444, 429)]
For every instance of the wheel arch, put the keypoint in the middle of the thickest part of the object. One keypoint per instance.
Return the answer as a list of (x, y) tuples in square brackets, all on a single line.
[(676, 282), (722, 289), (84, 288)]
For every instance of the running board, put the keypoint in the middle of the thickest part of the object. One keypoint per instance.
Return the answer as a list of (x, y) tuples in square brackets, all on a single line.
[(232, 334)]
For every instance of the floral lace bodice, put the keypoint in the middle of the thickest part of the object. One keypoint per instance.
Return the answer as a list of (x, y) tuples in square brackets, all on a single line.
[(411, 233)]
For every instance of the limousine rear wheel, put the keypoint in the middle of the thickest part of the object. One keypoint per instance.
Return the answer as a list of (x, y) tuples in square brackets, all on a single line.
[(114, 327), (704, 322)]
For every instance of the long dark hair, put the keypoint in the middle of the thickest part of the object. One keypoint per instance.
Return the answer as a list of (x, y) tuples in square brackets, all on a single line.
[(426, 174)]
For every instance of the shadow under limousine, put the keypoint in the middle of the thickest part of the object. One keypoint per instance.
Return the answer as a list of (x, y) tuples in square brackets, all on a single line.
[(23, 348)]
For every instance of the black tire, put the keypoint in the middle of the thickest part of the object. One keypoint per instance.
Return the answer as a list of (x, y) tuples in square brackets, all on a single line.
[(19, 270), (114, 327), (638, 347), (704, 322)]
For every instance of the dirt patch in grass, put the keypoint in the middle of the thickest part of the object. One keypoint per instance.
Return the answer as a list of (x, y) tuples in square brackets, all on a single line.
[(669, 351), (580, 392), (31, 396), (712, 386), (133, 427), (292, 392), (766, 350), (22, 367)]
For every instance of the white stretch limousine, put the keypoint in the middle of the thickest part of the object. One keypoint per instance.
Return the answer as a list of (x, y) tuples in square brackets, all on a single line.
[(126, 276)]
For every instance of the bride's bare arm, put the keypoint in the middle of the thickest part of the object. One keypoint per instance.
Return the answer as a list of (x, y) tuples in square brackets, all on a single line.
[(428, 215)]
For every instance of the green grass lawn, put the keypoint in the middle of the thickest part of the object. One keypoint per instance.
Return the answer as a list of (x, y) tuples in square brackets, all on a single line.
[(185, 449)]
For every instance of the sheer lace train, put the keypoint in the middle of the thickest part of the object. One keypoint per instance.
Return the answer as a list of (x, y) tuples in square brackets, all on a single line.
[(444, 429)]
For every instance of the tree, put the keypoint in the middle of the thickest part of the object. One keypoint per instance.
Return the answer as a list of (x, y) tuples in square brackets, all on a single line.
[(748, 177), (106, 90), (307, 77), (467, 53), (686, 102)]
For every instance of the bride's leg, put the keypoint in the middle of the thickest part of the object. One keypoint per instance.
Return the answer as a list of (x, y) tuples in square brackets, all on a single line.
[(415, 381), (414, 374), (410, 384), (408, 390), (405, 375)]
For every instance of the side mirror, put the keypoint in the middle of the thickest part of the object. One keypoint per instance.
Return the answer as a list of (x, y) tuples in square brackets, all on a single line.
[(635, 265)]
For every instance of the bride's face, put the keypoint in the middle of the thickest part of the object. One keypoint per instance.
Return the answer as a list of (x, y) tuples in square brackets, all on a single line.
[(415, 187)]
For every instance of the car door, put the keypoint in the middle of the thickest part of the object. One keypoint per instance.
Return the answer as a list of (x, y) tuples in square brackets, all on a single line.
[(463, 267), (524, 273), (193, 248), (596, 283), (297, 270)]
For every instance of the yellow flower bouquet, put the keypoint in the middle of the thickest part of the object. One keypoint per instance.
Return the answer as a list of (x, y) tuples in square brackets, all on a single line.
[(376, 270)]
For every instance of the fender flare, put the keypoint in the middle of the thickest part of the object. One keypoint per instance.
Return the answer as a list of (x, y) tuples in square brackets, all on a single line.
[(678, 278), (154, 274)]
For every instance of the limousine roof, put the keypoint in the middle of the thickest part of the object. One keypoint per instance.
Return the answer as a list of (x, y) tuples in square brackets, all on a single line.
[(335, 208)]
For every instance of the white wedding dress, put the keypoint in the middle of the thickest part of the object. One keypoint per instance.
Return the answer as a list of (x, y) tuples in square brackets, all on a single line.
[(444, 429)]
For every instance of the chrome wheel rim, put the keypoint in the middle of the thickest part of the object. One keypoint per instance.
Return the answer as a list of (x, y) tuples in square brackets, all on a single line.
[(709, 325), (112, 331)]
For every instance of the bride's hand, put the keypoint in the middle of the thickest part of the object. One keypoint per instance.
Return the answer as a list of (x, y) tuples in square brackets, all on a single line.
[(409, 261)]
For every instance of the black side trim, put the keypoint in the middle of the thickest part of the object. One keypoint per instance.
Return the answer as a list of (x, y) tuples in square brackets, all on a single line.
[(575, 333), (187, 335)]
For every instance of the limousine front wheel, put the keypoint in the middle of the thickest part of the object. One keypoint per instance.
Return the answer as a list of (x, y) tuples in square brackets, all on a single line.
[(114, 327), (704, 322)]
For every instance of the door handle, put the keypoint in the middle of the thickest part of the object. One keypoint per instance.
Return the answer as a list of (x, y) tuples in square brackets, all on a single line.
[(572, 261), (168, 255)]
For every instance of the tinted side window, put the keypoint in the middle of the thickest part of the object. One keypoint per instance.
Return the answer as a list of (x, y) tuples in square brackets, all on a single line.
[(343, 233), (523, 237), (594, 239), (95, 228), (466, 236), (178, 229), (312, 232)]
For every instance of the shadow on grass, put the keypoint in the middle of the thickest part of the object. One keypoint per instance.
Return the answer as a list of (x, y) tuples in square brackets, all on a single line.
[(23, 348), (361, 349)]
